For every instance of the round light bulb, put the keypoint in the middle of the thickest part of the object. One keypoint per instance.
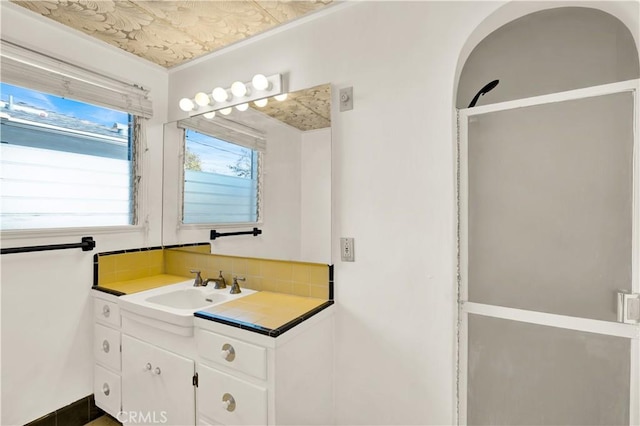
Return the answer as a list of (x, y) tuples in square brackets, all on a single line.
[(202, 99), (238, 89), (242, 107), (209, 115), (282, 97), (260, 82), (219, 94), (261, 102), (186, 104), (226, 111)]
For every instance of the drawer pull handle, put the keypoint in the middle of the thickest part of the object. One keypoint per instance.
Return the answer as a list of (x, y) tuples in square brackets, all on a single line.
[(157, 371), (228, 403), (105, 346), (105, 389), (228, 353), (147, 367), (106, 311)]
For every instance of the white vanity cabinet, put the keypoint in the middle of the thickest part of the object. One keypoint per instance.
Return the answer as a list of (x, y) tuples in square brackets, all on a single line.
[(150, 371), (157, 385), (106, 349), (246, 378)]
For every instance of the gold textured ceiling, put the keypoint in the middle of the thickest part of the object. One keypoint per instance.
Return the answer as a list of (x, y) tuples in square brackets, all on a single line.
[(308, 109), (169, 33)]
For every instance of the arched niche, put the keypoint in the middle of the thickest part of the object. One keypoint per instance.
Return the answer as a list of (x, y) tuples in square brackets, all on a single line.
[(548, 51)]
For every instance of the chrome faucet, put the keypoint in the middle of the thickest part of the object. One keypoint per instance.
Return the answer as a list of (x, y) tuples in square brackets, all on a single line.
[(235, 287), (219, 282), (198, 281)]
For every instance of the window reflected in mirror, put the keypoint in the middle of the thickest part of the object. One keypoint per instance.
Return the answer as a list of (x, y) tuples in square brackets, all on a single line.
[(221, 180)]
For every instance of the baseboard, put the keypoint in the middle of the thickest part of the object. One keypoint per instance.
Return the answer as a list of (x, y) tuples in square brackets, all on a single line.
[(77, 413)]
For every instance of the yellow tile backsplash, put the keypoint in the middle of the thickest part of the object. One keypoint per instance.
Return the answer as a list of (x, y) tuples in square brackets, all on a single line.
[(130, 265), (295, 278), (144, 283)]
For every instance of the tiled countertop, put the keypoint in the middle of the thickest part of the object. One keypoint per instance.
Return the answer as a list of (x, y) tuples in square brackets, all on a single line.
[(120, 288), (265, 312)]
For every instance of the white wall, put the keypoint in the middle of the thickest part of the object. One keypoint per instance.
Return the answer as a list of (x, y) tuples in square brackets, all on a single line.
[(46, 308)]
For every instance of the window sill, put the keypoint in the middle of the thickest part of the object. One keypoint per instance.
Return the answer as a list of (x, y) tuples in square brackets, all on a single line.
[(209, 226), (26, 234)]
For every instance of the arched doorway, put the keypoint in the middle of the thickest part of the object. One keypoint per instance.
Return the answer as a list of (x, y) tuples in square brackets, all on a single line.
[(549, 218)]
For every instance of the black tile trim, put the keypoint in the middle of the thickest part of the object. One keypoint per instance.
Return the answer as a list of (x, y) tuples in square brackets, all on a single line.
[(264, 330), (233, 323), (133, 250), (95, 270), (331, 294), (187, 245), (108, 290), (77, 413)]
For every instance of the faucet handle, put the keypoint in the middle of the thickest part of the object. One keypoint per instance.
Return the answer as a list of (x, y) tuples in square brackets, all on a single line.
[(235, 287), (198, 280)]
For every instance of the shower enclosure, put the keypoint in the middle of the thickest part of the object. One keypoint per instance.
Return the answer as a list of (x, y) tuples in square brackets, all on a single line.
[(549, 259)]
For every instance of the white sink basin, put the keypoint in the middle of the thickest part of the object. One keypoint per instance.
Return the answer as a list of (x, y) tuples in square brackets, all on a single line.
[(171, 307), (189, 298)]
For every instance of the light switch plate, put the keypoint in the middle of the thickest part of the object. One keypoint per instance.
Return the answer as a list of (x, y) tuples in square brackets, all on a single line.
[(346, 99), (346, 250)]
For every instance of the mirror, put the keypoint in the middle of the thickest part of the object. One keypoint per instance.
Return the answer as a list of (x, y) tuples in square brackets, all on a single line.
[(291, 182)]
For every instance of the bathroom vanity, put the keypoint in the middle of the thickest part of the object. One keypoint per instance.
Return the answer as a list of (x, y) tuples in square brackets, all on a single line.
[(257, 358)]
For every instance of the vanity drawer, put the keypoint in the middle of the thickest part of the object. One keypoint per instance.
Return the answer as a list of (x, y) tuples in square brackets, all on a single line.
[(105, 311), (106, 346), (106, 388), (229, 400), (232, 353)]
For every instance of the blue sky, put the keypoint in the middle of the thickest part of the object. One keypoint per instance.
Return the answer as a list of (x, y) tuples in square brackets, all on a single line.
[(79, 110)]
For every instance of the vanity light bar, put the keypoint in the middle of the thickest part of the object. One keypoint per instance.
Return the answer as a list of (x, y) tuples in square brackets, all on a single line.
[(194, 106)]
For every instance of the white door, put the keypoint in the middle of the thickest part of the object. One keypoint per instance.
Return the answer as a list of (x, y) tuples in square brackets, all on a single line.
[(157, 385), (549, 210)]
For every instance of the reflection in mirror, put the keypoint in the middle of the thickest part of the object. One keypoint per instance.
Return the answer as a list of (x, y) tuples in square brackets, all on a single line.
[(267, 166)]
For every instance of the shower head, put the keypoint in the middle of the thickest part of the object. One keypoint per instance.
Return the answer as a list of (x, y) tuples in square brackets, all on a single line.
[(487, 88)]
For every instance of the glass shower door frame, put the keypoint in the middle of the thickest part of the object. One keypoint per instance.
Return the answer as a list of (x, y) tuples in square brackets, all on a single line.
[(465, 307)]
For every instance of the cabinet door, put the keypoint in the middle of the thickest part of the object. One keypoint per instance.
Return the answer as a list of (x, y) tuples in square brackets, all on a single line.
[(157, 385)]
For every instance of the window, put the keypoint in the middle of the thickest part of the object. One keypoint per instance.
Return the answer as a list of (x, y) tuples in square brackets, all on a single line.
[(63, 163), (68, 144), (222, 176)]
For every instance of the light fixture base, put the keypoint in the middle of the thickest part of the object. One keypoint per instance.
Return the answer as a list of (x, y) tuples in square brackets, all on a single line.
[(276, 87)]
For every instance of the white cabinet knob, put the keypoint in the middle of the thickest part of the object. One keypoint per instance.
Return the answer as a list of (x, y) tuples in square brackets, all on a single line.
[(105, 346), (147, 367), (106, 311), (157, 371), (228, 402), (105, 389)]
